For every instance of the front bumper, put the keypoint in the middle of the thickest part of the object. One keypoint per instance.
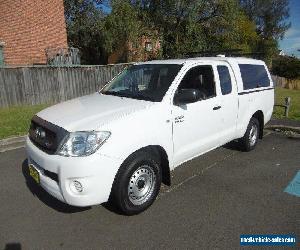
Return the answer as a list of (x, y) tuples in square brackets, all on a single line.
[(57, 173)]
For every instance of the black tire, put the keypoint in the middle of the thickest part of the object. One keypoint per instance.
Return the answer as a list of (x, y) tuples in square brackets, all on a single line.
[(133, 179), (250, 138)]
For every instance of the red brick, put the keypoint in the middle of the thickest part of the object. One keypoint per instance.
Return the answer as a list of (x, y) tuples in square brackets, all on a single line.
[(28, 27)]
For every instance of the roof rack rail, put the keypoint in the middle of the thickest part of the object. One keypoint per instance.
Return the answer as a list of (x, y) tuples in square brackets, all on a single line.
[(224, 53)]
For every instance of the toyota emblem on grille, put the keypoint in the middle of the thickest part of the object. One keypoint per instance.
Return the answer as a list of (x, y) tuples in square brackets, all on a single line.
[(40, 133)]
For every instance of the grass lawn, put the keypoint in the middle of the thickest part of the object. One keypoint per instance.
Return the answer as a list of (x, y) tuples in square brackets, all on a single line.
[(280, 94), (15, 121)]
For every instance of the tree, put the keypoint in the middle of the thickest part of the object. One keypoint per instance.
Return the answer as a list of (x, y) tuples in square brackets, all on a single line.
[(125, 30), (270, 17), (286, 66), (121, 26), (191, 26), (183, 26), (84, 20)]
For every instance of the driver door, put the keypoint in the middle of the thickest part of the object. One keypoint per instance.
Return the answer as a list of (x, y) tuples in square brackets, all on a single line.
[(196, 126)]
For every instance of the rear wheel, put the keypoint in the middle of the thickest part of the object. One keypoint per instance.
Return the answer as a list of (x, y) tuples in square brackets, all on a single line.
[(250, 138), (137, 183)]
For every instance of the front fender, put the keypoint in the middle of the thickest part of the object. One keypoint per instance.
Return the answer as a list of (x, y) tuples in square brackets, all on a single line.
[(152, 126)]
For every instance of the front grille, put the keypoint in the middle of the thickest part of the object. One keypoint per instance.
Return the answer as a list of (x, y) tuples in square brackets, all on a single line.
[(45, 135)]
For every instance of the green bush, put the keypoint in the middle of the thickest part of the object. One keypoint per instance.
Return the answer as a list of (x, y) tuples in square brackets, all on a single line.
[(286, 66)]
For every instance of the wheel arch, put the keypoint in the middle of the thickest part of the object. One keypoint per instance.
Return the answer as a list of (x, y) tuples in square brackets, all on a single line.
[(259, 115), (160, 153)]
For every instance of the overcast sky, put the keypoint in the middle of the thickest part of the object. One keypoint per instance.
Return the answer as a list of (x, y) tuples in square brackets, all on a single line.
[(291, 42)]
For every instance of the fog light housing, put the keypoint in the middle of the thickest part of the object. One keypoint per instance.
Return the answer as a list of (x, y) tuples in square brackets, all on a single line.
[(76, 186)]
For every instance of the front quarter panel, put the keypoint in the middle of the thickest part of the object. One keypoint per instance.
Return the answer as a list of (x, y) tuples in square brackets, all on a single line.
[(151, 126)]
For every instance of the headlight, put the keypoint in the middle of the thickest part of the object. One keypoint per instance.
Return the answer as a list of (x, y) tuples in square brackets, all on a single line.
[(83, 143)]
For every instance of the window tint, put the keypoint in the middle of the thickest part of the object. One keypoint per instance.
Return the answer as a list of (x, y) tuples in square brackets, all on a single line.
[(201, 78), (254, 76), (225, 80)]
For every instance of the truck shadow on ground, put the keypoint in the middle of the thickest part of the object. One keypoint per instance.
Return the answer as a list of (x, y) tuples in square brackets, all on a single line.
[(59, 206), (13, 246), (233, 145), (46, 198)]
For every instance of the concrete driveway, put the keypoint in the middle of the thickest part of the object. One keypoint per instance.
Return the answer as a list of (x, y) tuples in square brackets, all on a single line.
[(213, 200)]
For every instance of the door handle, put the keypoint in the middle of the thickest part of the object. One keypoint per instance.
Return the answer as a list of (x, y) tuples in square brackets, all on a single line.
[(217, 107)]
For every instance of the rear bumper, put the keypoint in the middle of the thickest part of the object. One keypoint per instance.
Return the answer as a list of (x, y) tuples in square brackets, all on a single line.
[(96, 174)]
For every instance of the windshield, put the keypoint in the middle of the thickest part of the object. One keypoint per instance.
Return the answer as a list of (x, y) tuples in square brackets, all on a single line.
[(148, 82)]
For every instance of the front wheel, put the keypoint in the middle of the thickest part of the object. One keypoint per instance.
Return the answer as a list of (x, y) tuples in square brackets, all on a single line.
[(250, 138), (137, 183)]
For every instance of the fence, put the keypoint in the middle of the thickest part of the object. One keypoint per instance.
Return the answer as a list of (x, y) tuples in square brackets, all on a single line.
[(39, 85), (62, 56), (44, 84), (286, 83)]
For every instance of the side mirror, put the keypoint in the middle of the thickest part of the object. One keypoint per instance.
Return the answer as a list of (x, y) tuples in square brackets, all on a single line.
[(185, 96)]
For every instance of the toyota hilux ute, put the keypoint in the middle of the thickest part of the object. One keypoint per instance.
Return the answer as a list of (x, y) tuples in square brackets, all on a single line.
[(121, 143)]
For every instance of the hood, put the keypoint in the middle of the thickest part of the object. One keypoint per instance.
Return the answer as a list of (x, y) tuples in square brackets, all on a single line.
[(91, 112)]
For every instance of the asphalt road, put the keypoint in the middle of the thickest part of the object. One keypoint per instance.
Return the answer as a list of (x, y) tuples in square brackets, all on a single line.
[(213, 200)]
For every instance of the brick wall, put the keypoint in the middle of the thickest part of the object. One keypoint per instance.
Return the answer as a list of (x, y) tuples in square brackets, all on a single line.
[(136, 51), (28, 27)]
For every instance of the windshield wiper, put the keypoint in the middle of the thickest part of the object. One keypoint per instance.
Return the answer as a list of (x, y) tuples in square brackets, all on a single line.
[(112, 93), (129, 95)]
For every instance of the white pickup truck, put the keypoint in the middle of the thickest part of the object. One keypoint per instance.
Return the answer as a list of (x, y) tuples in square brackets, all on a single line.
[(120, 143)]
